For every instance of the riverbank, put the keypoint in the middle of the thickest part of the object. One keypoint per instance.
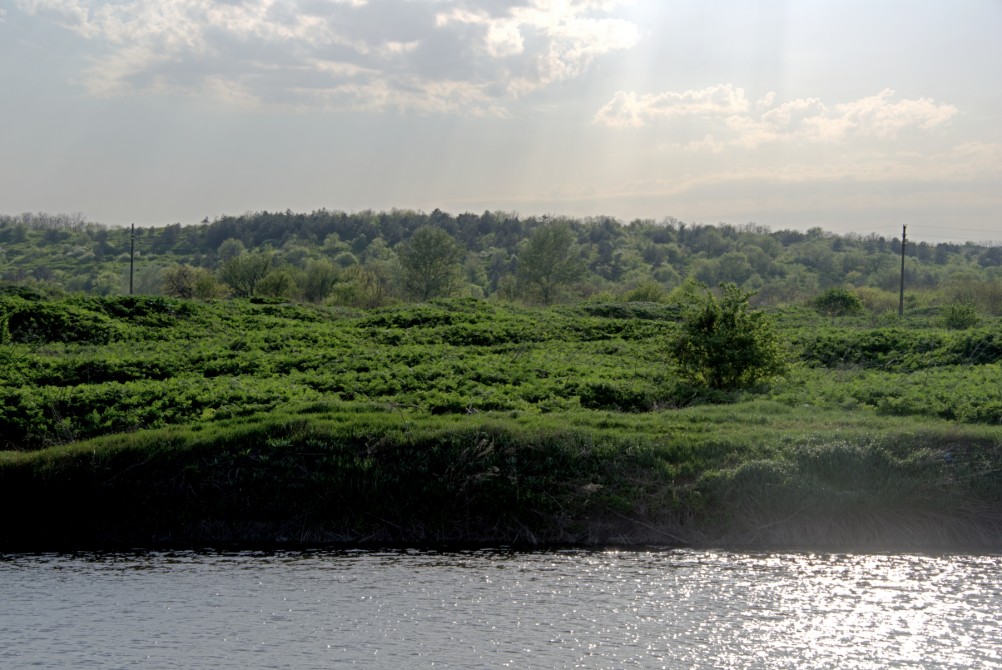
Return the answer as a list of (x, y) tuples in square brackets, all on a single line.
[(145, 421), (761, 474)]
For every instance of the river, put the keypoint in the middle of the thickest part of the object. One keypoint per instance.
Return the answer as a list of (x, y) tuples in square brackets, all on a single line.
[(497, 609)]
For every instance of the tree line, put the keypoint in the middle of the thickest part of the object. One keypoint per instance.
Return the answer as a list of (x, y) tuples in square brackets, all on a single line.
[(371, 258)]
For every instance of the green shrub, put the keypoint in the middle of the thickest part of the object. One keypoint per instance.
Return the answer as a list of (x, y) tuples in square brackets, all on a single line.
[(960, 316), (618, 397), (723, 346), (647, 291), (837, 302), (56, 322)]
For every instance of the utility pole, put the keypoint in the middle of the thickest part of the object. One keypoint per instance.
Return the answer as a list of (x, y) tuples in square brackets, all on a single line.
[(901, 296), (132, 255)]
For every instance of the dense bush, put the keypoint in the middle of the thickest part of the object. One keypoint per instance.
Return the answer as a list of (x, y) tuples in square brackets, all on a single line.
[(900, 349), (960, 316), (160, 361), (39, 322), (722, 345), (837, 302)]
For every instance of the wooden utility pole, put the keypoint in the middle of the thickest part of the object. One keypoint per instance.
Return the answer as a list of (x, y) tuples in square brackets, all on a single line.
[(901, 295), (132, 255)]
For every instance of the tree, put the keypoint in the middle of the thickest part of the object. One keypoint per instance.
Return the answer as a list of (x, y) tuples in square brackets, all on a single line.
[(431, 262), (721, 345), (549, 260), (179, 281), (230, 248), (281, 282), (185, 281), (358, 287), (243, 273), (319, 280)]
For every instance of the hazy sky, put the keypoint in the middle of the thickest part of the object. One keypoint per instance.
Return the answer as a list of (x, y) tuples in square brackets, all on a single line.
[(852, 116)]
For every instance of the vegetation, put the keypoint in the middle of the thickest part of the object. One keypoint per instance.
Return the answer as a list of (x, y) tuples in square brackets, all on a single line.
[(547, 261), (273, 379), (837, 301), (723, 346), (526, 259), (430, 262), (140, 420)]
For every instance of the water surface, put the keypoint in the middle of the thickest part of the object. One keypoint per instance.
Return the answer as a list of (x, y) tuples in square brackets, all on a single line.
[(650, 609)]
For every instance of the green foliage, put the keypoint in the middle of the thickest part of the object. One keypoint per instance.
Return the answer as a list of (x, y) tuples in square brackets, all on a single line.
[(648, 291), (784, 267), (245, 272), (900, 349), (319, 280), (547, 261), (960, 316), (459, 418), (280, 282), (837, 302), (358, 287), (431, 260), (967, 288), (39, 322), (186, 282), (722, 345)]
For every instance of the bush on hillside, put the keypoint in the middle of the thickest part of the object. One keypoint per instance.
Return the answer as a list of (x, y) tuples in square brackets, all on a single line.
[(721, 345), (837, 302)]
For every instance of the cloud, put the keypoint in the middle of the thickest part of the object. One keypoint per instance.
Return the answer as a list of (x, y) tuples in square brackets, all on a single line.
[(878, 115), (734, 123), (630, 110), (453, 56), (537, 43)]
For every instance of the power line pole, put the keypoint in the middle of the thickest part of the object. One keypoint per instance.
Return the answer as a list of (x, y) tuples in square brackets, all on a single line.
[(132, 255), (901, 296)]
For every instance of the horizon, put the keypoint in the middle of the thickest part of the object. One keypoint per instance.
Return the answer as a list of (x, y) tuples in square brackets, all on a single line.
[(72, 219), (856, 118)]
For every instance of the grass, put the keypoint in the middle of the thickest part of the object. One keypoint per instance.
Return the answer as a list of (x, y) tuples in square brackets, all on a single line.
[(469, 421)]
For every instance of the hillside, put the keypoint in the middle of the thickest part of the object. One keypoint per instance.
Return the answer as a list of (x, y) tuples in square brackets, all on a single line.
[(150, 420)]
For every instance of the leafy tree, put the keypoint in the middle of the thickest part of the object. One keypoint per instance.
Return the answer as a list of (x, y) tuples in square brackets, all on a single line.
[(107, 282), (280, 282), (319, 280), (358, 287), (185, 281), (837, 302), (721, 345), (179, 281), (431, 261), (243, 273), (549, 260), (231, 248)]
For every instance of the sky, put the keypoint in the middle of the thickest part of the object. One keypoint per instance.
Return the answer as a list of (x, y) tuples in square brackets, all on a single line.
[(855, 116)]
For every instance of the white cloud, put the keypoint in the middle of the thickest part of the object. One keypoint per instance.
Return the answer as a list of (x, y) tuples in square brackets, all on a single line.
[(568, 34), (879, 115), (341, 53), (802, 120), (504, 39), (630, 110)]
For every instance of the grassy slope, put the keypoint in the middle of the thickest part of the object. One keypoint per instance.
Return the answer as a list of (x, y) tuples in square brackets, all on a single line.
[(470, 422)]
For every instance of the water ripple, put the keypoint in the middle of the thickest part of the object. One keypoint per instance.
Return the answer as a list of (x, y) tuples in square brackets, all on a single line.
[(568, 609)]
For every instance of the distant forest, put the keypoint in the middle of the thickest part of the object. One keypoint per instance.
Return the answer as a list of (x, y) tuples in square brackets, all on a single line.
[(367, 259)]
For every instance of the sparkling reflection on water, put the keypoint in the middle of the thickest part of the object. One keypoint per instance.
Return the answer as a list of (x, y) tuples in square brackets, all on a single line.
[(673, 609)]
